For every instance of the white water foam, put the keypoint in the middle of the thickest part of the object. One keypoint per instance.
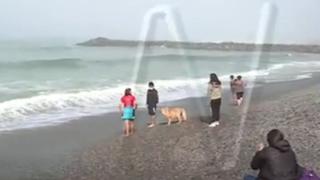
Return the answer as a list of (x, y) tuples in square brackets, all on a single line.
[(53, 108), (50, 109), (303, 76)]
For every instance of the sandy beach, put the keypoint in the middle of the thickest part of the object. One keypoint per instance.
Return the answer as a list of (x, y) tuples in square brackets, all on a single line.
[(65, 66), (93, 148)]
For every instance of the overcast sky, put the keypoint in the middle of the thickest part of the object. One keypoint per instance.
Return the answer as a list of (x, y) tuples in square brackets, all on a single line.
[(297, 21)]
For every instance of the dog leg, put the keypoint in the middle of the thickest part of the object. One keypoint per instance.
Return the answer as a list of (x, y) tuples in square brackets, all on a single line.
[(169, 122)]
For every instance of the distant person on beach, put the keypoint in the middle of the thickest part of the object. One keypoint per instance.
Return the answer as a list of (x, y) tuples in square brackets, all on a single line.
[(215, 94), (152, 101), (239, 89), (277, 161), (127, 108), (233, 89)]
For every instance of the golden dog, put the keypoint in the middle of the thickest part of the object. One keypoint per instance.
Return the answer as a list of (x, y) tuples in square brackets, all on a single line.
[(174, 114)]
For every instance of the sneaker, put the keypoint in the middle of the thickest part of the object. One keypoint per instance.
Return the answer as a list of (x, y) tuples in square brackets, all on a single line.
[(218, 123), (151, 125), (214, 124)]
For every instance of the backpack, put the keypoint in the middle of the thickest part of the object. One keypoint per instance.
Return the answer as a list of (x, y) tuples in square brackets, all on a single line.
[(309, 175)]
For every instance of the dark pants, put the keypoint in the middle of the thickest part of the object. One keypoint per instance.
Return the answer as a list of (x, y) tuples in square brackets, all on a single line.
[(215, 109), (152, 109)]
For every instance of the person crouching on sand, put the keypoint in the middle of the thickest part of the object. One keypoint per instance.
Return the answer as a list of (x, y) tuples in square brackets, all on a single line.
[(215, 94), (127, 108), (152, 101), (239, 88), (277, 161)]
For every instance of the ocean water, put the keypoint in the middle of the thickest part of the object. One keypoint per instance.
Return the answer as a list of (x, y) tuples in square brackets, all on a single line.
[(45, 83)]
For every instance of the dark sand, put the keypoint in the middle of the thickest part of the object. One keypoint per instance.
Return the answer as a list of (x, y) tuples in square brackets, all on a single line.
[(93, 148)]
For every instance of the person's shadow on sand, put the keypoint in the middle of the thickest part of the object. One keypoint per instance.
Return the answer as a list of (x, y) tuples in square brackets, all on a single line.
[(205, 119), (162, 123), (166, 123)]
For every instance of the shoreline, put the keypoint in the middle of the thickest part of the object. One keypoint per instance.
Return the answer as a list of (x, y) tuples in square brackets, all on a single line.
[(194, 151), (46, 151)]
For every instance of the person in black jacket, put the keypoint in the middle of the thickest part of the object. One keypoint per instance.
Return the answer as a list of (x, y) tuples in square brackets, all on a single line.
[(152, 101), (277, 161)]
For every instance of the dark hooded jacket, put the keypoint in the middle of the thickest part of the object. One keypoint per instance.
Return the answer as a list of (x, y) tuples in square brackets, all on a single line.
[(277, 162), (152, 97)]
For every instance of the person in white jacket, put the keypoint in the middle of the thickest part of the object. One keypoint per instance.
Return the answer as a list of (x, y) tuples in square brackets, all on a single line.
[(215, 95)]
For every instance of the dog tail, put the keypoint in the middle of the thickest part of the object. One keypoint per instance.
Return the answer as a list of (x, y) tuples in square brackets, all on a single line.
[(184, 115)]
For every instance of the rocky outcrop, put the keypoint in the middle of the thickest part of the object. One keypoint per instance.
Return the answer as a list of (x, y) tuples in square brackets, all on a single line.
[(225, 46)]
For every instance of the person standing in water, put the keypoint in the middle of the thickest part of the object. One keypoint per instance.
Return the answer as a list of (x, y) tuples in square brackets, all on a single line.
[(239, 88), (152, 101), (127, 108), (233, 89), (215, 94)]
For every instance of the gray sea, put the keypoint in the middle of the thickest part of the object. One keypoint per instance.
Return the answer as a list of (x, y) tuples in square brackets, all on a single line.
[(50, 82)]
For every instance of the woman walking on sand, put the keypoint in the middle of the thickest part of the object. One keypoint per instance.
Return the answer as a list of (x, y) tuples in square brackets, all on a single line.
[(127, 108), (215, 94), (233, 89), (239, 88)]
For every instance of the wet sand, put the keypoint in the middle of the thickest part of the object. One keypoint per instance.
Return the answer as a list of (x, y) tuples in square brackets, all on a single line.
[(93, 148)]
